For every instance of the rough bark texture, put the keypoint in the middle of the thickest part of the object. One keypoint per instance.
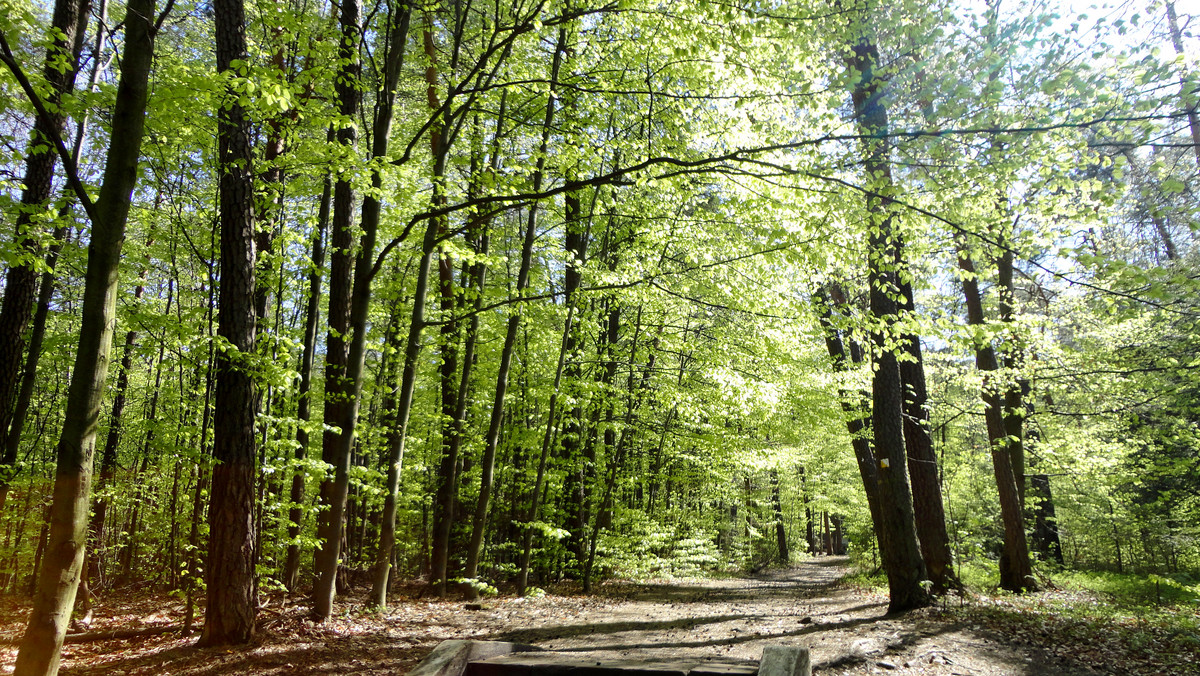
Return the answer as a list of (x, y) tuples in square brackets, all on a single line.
[(58, 579), (233, 529), (899, 549)]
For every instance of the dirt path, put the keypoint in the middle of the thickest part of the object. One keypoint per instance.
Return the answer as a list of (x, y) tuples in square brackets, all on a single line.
[(844, 628), (804, 605)]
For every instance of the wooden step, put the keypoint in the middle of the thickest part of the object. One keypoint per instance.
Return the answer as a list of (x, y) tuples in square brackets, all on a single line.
[(565, 664)]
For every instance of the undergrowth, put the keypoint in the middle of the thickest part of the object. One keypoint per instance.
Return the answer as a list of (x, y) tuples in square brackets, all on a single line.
[(1114, 622)]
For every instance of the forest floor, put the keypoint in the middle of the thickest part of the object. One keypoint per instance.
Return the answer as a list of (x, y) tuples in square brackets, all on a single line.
[(844, 626)]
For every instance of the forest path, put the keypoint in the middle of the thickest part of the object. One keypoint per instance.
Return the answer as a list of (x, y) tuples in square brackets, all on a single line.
[(845, 628)]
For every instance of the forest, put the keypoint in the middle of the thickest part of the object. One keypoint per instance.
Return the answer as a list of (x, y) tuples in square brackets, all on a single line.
[(302, 296)]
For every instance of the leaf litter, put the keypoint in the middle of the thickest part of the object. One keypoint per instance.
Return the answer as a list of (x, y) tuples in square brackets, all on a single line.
[(846, 629)]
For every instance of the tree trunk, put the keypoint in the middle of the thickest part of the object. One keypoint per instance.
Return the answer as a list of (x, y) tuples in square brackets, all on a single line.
[(858, 422), (1016, 573), (341, 397), (108, 458), (922, 461), (59, 578), (37, 334), (233, 529), (781, 541), (1188, 97), (312, 316), (69, 24), (479, 519), (899, 548), (536, 498)]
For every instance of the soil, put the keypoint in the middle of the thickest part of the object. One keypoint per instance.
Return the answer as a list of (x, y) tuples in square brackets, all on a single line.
[(845, 628)]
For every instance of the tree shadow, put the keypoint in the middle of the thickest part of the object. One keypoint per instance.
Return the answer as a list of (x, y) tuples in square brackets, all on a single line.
[(536, 634)]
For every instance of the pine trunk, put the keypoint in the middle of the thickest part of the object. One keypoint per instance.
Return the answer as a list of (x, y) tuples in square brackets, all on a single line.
[(233, 530)]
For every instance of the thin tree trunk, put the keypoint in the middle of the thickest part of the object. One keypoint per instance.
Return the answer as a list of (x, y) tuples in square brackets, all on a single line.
[(539, 481), (312, 316), (37, 335), (59, 578), (340, 396), (108, 458), (858, 422), (1188, 97), (479, 519), (781, 541)]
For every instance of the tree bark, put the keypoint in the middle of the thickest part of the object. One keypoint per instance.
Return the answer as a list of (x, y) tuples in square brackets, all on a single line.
[(341, 399), (922, 461), (1016, 572), (59, 578), (233, 529), (899, 548)]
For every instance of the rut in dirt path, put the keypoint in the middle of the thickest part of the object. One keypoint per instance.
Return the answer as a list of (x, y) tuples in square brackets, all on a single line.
[(846, 630)]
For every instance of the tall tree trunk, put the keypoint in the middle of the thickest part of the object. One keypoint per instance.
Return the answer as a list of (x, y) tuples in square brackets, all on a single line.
[(312, 316), (536, 498), (858, 422), (487, 464), (59, 578), (394, 463), (337, 440), (108, 458), (899, 548), (922, 461), (233, 529), (1014, 391), (69, 25), (781, 541), (37, 335), (1016, 572)]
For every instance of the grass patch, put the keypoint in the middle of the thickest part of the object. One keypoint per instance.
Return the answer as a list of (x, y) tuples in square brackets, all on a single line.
[(869, 579), (1130, 591)]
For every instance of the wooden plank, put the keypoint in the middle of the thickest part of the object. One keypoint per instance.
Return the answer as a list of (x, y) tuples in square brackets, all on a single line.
[(558, 664)]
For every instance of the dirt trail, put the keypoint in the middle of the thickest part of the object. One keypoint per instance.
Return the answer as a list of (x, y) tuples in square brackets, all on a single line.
[(804, 605), (845, 629)]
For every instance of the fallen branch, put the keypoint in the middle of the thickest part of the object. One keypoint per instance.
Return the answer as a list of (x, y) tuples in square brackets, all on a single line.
[(109, 634)]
